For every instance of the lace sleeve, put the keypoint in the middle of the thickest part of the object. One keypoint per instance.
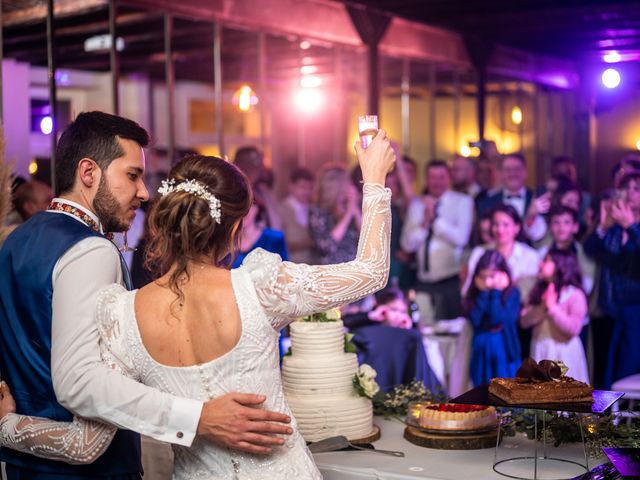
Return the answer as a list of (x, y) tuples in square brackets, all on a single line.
[(287, 290), (114, 350), (78, 442)]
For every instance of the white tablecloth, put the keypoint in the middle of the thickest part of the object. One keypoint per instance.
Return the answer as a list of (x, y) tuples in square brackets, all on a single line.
[(433, 464)]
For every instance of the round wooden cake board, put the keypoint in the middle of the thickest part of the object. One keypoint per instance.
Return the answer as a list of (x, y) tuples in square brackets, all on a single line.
[(471, 441), (375, 435)]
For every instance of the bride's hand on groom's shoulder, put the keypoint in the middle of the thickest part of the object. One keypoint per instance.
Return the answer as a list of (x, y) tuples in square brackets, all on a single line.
[(236, 421), (7, 404)]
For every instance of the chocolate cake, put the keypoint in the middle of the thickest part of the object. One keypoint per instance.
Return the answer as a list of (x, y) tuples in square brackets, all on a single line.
[(540, 383)]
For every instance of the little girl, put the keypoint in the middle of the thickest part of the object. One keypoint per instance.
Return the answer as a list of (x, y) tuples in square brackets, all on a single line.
[(556, 310), (493, 306)]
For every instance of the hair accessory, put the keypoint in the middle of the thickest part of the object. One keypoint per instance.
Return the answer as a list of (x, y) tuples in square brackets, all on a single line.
[(194, 188)]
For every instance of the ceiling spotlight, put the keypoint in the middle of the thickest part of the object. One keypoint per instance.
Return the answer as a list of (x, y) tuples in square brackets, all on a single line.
[(611, 78), (305, 45)]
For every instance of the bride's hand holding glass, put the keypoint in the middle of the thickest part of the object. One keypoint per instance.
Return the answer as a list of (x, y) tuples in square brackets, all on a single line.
[(377, 160)]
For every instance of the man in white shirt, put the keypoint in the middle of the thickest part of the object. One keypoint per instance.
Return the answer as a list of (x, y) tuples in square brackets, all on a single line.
[(463, 175), (437, 228), (100, 163)]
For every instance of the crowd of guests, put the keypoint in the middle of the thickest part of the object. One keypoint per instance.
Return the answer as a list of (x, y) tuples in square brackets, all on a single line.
[(547, 273)]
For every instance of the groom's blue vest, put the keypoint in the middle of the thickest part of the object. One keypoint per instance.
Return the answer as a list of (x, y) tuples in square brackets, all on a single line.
[(27, 260)]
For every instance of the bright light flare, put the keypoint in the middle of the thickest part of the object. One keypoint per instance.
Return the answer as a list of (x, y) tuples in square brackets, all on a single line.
[(308, 69), (46, 125), (612, 57), (310, 81), (638, 144), (611, 78), (33, 167), (465, 150), (305, 45), (309, 100), (516, 115)]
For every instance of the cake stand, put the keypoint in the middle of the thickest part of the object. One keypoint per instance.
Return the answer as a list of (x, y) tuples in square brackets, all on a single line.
[(602, 400)]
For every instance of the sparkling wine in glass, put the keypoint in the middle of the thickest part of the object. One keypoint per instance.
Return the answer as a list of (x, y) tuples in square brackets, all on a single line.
[(125, 245)]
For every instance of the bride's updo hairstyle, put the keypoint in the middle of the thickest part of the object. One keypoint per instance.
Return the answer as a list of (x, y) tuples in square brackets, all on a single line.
[(181, 226)]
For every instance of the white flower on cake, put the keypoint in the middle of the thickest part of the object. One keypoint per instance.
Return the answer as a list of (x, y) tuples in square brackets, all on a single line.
[(364, 381), (333, 314)]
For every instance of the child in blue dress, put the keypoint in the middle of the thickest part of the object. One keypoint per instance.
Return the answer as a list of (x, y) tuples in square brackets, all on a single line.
[(493, 308)]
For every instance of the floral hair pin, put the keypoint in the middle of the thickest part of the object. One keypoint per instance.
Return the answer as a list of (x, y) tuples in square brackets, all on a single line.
[(196, 188)]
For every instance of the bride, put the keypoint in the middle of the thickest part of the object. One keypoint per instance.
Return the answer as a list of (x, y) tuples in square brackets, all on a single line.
[(202, 330)]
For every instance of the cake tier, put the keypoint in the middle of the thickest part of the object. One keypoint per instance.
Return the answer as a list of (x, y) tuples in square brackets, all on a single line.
[(317, 339), (327, 416), (451, 416), (330, 375), (567, 390)]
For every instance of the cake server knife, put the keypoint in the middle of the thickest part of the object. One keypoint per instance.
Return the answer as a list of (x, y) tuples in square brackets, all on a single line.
[(340, 442)]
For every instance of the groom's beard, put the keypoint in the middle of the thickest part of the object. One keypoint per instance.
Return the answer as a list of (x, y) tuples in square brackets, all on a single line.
[(107, 207)]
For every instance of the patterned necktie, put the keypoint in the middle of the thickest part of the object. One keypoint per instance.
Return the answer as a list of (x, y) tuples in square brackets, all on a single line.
[(429, 237)]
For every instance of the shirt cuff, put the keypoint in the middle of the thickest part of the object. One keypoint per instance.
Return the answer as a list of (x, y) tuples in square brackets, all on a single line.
[(183, 422)]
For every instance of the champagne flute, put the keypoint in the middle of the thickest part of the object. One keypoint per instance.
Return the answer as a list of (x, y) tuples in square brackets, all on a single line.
[(125, 246)]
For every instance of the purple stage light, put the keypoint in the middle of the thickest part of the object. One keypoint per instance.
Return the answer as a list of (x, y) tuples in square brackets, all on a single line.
[(611, 78)]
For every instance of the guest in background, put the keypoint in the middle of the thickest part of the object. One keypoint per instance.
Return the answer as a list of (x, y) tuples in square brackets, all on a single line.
[(335, 219), (391, 310), (565, 166), (616, 245), (463, 175), (32, 197), (628, 164), (493, 306), (5, 193), (486, 178), (522, 259), (437, 228), (255, 234), (513, 171), (563, 227), (403, 269), (556, 310), (294, 211), (251, 161)]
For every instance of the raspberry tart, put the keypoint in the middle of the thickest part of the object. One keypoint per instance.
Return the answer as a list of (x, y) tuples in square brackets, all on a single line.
[(457, 417)]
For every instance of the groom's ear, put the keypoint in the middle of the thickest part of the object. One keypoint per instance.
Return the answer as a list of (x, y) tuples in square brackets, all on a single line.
[(88, 172)]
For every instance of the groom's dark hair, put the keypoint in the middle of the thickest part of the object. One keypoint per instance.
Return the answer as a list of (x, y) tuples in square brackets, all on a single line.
[(93, 135)]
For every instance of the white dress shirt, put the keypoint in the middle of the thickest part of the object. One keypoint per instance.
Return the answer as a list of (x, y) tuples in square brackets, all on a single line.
[(523, 262), (85, 385), (451, 230)]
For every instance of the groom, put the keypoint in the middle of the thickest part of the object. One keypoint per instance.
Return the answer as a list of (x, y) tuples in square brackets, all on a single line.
[(51, 269)]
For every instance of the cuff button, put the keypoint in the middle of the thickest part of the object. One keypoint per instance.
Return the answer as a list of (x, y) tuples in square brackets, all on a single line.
[(179, 434)]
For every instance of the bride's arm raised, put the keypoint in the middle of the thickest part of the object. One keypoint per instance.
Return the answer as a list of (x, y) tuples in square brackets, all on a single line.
[(287, 290)]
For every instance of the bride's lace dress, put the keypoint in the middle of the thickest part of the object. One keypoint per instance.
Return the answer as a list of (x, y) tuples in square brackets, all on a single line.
[(269, 293)]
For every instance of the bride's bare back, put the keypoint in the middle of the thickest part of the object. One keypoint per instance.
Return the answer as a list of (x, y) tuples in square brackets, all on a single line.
[(205, 326)]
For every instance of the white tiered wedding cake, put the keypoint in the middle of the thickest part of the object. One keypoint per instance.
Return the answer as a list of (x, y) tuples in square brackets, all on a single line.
[(318, 383)]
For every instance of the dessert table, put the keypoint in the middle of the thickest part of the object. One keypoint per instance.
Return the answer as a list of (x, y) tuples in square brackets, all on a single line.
[(432, 464)]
